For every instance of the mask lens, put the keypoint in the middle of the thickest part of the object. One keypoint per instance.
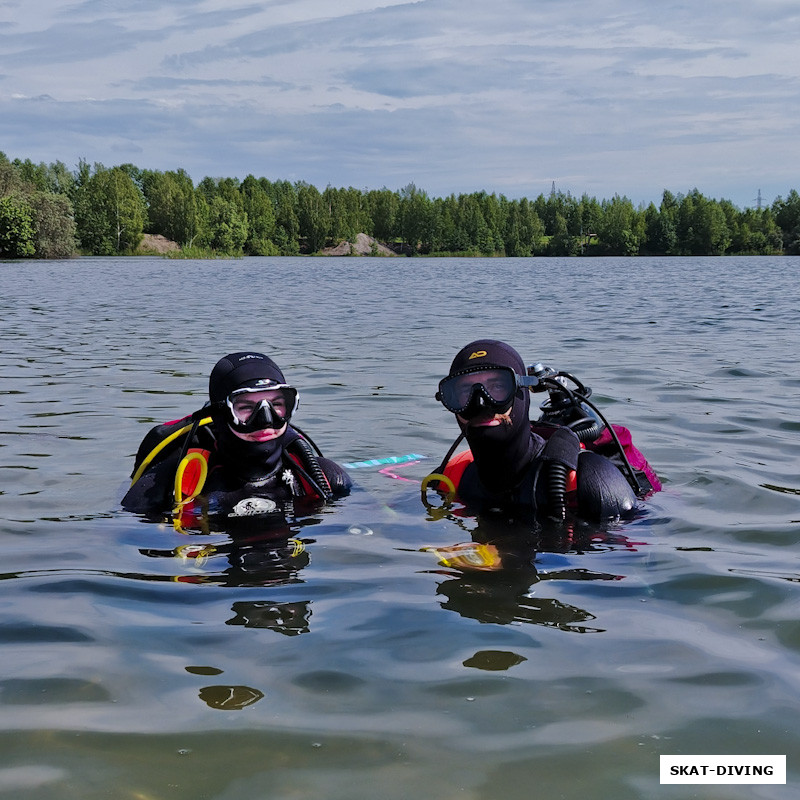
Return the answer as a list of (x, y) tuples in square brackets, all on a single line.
[(497, 386), (254, 409), (245, 406)]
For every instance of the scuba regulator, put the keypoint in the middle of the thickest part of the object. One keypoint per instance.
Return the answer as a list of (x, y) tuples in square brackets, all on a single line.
[(568, 405)]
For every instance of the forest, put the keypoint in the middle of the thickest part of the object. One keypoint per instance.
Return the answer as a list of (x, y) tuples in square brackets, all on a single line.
[(50, 211)]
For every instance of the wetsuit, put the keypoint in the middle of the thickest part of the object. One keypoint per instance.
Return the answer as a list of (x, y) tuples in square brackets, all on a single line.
[(292, 471), (594, 488), (512, 465), (240, 469)]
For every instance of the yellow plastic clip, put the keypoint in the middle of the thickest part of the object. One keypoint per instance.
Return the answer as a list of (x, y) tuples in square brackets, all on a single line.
[(439, 478), (180, 500)]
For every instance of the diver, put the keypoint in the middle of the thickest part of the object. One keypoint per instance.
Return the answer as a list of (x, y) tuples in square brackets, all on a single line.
[(569, 462), (238, 456)]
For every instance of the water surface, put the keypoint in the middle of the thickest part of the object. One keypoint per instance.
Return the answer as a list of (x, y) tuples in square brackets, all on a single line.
[(132, 668)]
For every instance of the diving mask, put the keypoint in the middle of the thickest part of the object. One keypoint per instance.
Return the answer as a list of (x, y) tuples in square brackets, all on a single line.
[(255, 408), (477, 389)]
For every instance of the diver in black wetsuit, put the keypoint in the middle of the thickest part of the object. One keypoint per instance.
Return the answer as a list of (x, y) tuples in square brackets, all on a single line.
[(238, 455), (511, 465)]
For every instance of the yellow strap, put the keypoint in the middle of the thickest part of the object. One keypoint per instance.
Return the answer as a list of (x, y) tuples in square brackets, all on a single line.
[(161, 445)]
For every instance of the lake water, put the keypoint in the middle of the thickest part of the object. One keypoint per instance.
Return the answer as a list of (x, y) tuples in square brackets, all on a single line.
[(360, 669)]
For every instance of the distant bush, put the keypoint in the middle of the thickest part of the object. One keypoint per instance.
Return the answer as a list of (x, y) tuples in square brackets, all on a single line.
[(17, 231)]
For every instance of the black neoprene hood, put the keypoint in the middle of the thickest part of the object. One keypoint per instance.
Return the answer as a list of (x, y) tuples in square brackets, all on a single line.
[(239, 370), (488, 353)]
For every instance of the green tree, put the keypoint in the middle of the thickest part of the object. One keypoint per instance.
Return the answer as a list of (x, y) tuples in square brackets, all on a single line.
[(589, 213), (287, 224), (226, 229), (562, 242), (260, 219), (752, 231), (383, 208), (660, 235), (10, 181), (621, 229), (702, 226), (787, 216), (109, 211), (34, 175), (16, 227), (472, 222), (557, 206), (348, 212), (492, 211), (174, 208), (415, 219), (59, 179), (523, 229), (450, 236), (54, 224), (313, 215)]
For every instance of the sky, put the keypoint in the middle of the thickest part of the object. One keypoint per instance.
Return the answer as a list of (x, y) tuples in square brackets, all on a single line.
[(597, 97)]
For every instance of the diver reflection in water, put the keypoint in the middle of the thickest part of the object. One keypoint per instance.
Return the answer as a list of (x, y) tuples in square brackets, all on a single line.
[(504, 600), (489, 578), (290, 619), (257, 552)]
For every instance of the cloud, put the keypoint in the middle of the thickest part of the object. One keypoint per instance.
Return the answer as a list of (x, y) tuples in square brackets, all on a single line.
[(456, 95)]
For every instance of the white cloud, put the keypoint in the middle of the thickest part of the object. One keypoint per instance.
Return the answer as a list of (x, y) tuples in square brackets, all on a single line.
[(622, 96)]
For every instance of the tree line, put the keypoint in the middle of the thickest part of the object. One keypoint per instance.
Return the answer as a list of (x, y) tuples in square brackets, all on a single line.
[(50, 211)]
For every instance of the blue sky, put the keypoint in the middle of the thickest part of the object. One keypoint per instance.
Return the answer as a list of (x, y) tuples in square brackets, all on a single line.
[(605, 97)]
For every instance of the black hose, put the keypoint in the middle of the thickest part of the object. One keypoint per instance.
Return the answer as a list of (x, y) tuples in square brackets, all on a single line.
[(196, 417), (557, 490), (311, 469), (590, 433), (449, 453), (308, 439), (629, 472)]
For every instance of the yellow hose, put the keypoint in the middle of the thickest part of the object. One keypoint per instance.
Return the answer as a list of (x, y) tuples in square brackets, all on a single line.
[(161, 445)]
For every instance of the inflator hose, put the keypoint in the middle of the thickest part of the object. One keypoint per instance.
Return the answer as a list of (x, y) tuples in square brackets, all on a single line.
[(311, 468), (556, 487)]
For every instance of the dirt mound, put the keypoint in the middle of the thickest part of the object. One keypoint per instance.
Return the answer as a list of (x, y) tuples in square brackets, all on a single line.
[(363, 246), (155, 243)]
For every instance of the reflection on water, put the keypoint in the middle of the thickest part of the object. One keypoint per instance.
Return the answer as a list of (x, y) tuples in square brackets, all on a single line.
[(359, 659)]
